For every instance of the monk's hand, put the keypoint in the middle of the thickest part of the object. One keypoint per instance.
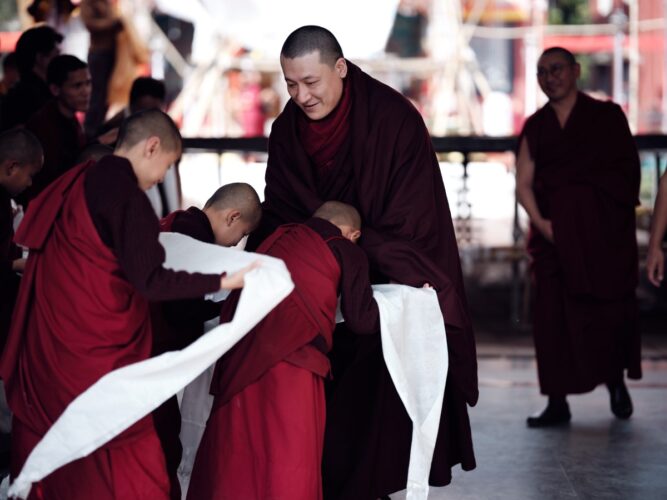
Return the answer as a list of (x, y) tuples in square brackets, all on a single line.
[(18, 265), (237, 279), (546, 229), (108, 137), (427, 285), (655, 265)]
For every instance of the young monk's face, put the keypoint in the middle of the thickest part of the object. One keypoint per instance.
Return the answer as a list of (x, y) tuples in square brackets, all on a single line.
[(230, 227), (557, 77), (151, 161), (17, 177), (314, 86)]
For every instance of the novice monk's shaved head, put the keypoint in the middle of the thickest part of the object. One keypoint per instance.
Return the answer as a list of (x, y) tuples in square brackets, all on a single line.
[(308, 39), (234, 211), (21, 146), (150, 140), (342, 215), (150, 123)]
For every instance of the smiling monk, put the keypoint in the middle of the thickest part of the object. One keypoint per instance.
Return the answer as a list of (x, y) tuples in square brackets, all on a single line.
[(345, 136), (578, 179)]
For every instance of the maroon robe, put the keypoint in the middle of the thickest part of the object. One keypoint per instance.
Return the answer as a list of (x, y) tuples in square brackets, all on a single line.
[(9, 280), (264, 436), (587, 184), (77, 318), (176, 324), (388, 170), (62, 139)]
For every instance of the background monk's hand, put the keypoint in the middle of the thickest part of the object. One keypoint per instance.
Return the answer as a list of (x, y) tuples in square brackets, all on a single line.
[(655, 265), (109, 137), (237, 279), (18, 265), (546, 229), (427, 285)]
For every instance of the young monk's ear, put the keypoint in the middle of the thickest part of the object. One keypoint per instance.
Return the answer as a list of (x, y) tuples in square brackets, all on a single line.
[(8, 167), (355, 235), (232, 216), (55, 90), (152, 146)]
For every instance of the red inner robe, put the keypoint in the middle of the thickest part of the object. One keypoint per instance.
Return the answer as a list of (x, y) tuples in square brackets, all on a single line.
[(265, 435)]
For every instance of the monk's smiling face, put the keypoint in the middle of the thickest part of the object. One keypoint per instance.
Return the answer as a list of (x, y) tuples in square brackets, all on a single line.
[(313, 85), (557, 76)]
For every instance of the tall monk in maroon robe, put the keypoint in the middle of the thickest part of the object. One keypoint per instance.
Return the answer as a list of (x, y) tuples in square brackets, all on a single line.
[(265, 434), (82, 309), (578, 179), (345, 136), (229, 215)]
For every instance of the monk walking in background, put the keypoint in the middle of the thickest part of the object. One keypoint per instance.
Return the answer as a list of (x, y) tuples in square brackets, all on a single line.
[(345, 136), (578, 180), (264, 437), (230, 214), (82, 309)]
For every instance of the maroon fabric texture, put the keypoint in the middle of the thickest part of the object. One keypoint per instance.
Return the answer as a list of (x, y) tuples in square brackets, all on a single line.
[(308, 313), (388, 170), (76, 318), (62, 139), (323, 138), (587, 183)]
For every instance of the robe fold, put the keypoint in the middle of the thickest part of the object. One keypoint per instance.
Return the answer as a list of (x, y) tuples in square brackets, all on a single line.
[(264, 436), (78, 318), (387, 168), (587, 183)]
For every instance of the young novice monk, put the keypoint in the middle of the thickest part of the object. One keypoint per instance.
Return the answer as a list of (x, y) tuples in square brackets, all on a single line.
[(21, 157), (265, 434), (231, 213), (82, 309)]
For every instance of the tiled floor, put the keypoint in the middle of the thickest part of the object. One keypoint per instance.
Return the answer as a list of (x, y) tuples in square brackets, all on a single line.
[(596, 457)]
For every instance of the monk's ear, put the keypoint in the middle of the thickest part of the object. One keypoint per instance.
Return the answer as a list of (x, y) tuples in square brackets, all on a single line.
[(341, 67), (355, 235), (55, 90), (232, 216), (152, 146), (577, 70)]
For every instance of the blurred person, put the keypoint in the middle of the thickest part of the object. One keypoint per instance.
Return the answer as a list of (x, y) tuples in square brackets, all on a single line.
[(10, 73), (345, 136), (35, 49), (578, 179), (21, 158), (103, 23), (56, 124), (655, 260)]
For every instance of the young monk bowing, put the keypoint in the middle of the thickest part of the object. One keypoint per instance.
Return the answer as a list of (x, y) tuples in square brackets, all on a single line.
[(21, 157), (265, 434), (82, 309), (228, 216)]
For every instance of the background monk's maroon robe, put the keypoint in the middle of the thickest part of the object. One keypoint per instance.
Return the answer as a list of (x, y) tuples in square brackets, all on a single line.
[(243, 453), (587, 183), (77, 318), (9, 280), (388, 170)]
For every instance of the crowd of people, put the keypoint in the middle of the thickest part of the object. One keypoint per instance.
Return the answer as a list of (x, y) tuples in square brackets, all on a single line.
[(303, 408)]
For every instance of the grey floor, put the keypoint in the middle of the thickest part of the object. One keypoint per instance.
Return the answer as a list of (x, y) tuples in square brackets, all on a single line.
[(596, 457)]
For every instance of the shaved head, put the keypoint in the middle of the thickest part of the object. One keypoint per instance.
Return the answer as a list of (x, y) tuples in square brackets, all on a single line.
[(149, 123), (566, 54), (339, 214), (239, 196), (308, 39), (21, 146)]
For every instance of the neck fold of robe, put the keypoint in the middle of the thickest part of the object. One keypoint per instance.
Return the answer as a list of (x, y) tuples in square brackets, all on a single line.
[(323, 138)]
